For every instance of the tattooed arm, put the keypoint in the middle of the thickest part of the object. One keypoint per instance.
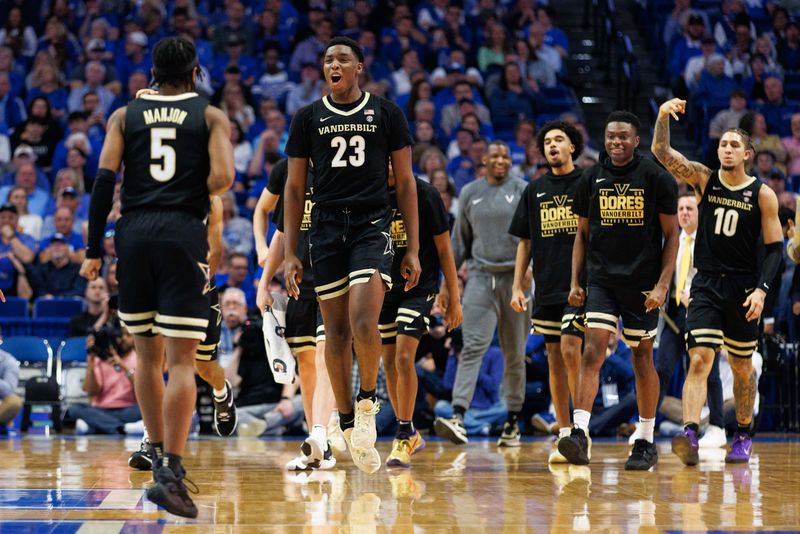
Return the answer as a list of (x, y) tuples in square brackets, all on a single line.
[(693, 173)]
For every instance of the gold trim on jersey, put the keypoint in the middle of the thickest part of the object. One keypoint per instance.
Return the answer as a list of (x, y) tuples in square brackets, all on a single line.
[(169, 98), (735, 187), (353, 111)]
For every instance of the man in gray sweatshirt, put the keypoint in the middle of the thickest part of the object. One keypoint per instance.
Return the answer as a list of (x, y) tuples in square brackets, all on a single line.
[(481, 237)]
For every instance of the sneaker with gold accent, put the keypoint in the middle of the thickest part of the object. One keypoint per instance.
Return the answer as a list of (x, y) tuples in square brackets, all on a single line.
[(335, 436), (368, 460), (364, 432), (403, 449)]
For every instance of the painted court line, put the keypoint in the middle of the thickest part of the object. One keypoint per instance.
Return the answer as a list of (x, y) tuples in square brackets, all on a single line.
[(119, 499), (100, 527)]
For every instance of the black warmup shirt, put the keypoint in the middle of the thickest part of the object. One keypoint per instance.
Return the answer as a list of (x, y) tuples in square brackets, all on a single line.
[(544, 215), (729, 228), (349, 146), (166, 154), (432, 222), (277, 181), (623, 205)]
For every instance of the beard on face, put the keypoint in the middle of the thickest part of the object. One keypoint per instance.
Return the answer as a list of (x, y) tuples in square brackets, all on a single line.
[(728, 167), (555, 164)]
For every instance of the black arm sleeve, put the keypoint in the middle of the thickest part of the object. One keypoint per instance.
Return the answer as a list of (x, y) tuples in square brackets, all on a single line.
[(99, 208), (772, 262)]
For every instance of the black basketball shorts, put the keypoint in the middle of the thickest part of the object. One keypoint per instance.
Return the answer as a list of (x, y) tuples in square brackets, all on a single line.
[(163, 273), (716, 316), (605, 305), (406, 313), (304, 326), (207, 349), (556, 320), (347, 247)]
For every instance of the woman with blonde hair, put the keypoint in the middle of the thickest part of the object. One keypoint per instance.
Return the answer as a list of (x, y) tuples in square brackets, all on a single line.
[(429, 161), (30, 223)]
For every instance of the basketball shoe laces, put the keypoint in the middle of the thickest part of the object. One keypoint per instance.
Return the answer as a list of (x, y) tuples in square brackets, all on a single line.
[(362, 420)]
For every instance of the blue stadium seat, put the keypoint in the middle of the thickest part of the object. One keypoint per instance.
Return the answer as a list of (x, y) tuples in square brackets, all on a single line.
[(14, 307), (57, 307), (31, 350), (72, 350)]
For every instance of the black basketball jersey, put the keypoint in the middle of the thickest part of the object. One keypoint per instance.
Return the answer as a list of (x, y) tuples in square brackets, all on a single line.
[(277, 181), (349, 147), (545, 216), (623, 206), (433, 221), (166, 154), (729, 227)]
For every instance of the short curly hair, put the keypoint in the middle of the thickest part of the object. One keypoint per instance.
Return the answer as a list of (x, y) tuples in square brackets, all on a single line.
[(575, 136)]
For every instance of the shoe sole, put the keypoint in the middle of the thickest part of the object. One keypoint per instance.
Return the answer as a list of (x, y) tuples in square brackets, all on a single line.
[(446, 431), (419, 448), (572, 452), (504, 443), (683, 449), (235, 424), (396, 462), (640, 467), (737, 460), (157, 494)]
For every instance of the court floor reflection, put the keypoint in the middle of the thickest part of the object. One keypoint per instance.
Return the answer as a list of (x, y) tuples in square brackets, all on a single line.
[(65, 481)]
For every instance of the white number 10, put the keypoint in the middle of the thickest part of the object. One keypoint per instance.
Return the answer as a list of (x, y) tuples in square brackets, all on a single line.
[(164, 171), (726, 221)]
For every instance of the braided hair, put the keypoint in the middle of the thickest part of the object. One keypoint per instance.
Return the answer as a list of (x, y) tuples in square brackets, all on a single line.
[(174, 61)]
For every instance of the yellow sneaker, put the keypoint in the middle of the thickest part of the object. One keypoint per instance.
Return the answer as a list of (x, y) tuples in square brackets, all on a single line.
[(404, 486), (403, 449), (368, 460)]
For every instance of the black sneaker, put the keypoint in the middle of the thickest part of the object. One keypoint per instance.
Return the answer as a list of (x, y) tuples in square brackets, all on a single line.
[(510, 436), (143, 458), (452, 429), (575, 447), (225, 417), (170, 493), (643, 456)]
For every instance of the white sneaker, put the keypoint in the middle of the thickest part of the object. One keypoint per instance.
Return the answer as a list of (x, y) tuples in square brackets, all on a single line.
[(555, 456), (313, 450), (368, 460), (81, 427), (335, 436), (713, 438), (364, 432), (302, 462)]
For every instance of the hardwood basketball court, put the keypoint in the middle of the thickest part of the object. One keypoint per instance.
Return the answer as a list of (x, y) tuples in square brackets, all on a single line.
[(66, 484)]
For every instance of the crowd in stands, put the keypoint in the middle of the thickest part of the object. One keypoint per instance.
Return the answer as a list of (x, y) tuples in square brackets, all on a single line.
[(464, 73)]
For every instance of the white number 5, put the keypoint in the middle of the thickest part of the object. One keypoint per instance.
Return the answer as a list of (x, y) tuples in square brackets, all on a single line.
[(164, 171)]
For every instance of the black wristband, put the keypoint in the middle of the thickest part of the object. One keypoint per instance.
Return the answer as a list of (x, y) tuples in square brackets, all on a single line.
[(284, 397), (99, 208), (772, 262)]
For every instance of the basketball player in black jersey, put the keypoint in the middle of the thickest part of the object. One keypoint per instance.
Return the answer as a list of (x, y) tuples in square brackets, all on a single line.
[(627, 240), (727, 295), (349, 138), (546, 225), (404, 317), (176, 152), (305, 332)]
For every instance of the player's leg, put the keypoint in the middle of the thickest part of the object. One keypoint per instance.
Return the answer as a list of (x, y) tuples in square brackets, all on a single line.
[(322, 407), (480, 320), (339, 355), (512, 332), (388, 355), (704, 322), (602, 317), (387, 330), (740, 340)]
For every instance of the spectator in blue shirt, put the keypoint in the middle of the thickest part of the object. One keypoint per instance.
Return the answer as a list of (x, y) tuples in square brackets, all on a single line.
[(309, 50), (25, 177), (274, 82), (234, 54), (715, 87), (512, 100), (486, 408), (12, 109), (236, 23), (10, 402), (64, 223), (59, 277), (777, 110), (95, 73), (687, 46)]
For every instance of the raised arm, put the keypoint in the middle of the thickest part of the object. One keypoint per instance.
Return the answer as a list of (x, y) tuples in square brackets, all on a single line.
[(693, 173), (220, 152)]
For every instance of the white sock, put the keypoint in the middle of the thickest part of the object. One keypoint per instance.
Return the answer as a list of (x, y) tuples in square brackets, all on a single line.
[(581, 418), (646, 427), (564, 432), (320, 433), (220, 394)]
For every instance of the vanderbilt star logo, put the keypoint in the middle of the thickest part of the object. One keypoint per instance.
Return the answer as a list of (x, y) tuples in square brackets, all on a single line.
[(216, 308), (207, 275)]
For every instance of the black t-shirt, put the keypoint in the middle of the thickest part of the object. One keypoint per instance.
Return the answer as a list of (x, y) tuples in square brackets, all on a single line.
[(432, 222), (258, 386), (545, 216), (166, 154), (278, 179), (82, 324), (349, 147), (729, 228), (623, 206)]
